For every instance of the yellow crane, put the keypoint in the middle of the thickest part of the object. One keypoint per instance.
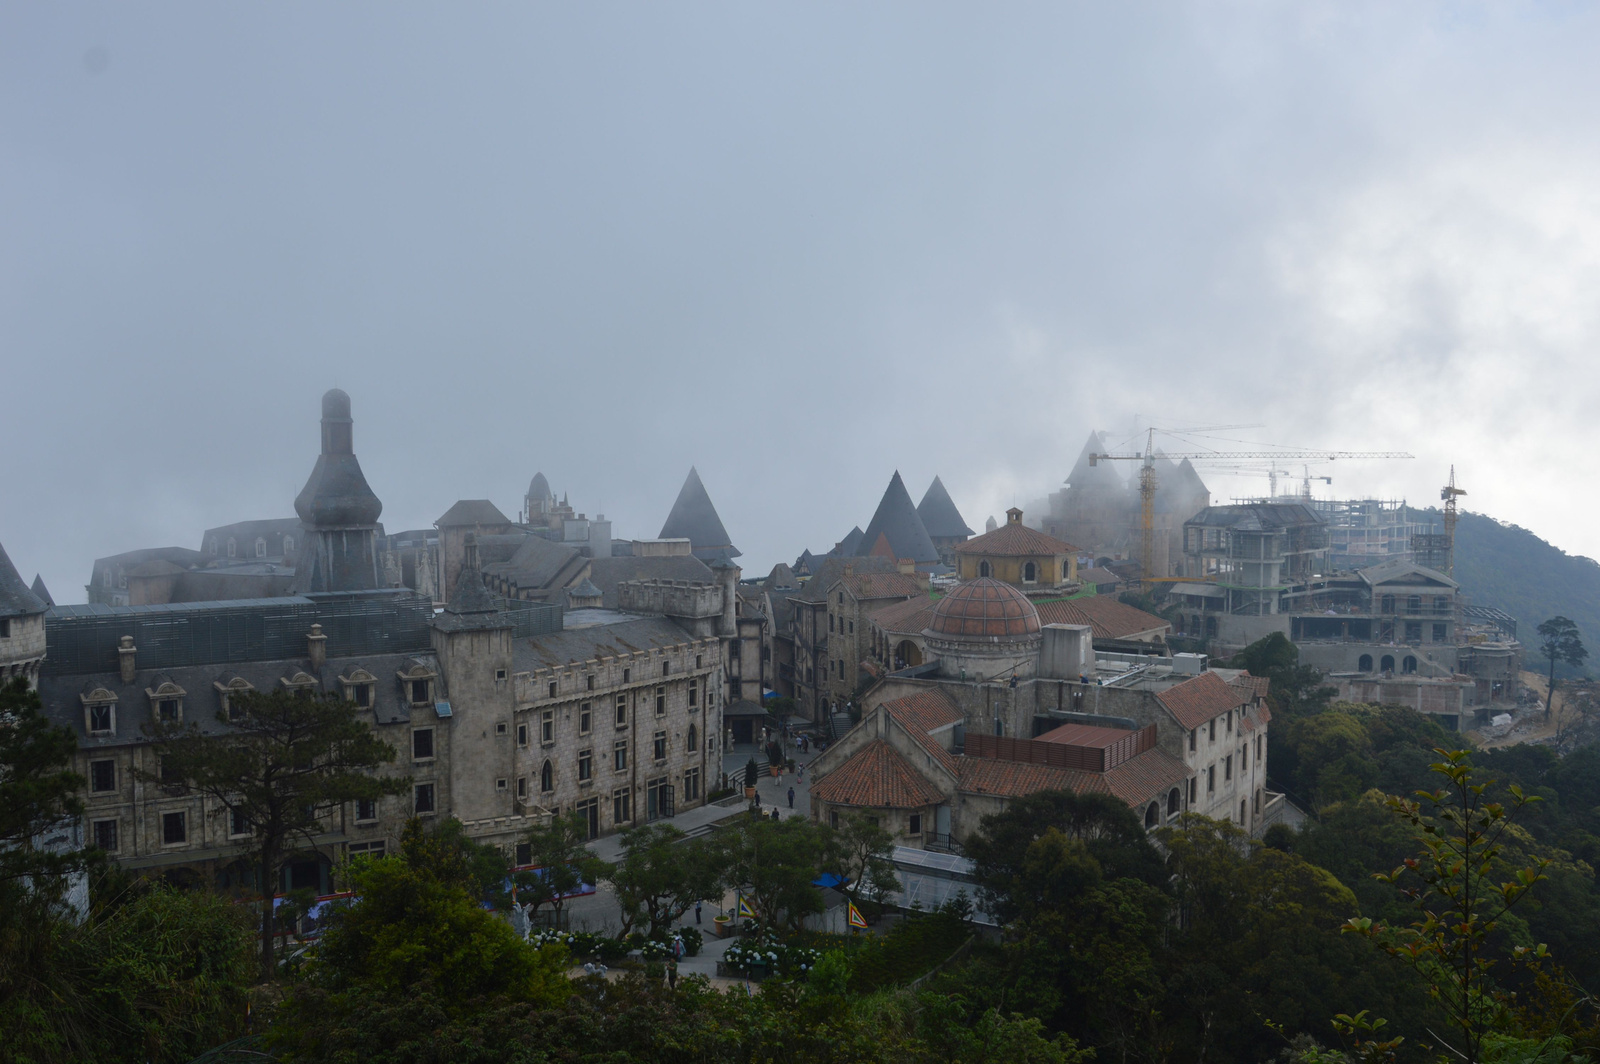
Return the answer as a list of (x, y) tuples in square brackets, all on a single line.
[(1448, 493), (1147, 482)]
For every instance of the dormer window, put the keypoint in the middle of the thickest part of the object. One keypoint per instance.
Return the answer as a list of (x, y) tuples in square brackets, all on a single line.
[(229, 688), (233, 548), (261, 548), (99, 712), (300, 682), (359, 687), (166, 702), (417, 681), (211, 546), (288, 544)]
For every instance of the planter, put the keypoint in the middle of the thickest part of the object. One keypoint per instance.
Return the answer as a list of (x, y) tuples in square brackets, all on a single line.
[(777, 770), (723, 926), (749, 792)]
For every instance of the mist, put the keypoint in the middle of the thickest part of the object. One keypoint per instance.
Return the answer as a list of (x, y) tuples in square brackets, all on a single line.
[(796, 246)]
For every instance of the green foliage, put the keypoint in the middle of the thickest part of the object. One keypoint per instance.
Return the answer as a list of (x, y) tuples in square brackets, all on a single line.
[(910, 949), (1559, 642), (862, 852), (773, 863), (151, 974), (564, 862), (661, 876), (286, 761), (37, 791), (1295, 689)]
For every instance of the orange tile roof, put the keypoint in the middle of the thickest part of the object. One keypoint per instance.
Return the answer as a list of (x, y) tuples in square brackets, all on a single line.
[(882, 585), (1135, 781), (1015, 539), (1108, 618), (878, 777), (1259, 686), (906, 618), (1200, 699), (921, 713)]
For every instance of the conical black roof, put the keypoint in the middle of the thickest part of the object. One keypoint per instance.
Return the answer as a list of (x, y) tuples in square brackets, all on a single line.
[(15, 598), (336, 495), (1101, 475), (939, 514), (897, 521), (850, 543), (41, 592), (695, 519)]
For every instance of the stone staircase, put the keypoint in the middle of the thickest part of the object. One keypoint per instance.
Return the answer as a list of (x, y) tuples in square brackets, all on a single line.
[(838, 724)]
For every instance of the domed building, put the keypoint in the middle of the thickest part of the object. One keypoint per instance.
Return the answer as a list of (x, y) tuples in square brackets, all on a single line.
[(338, 511), (984, 630)]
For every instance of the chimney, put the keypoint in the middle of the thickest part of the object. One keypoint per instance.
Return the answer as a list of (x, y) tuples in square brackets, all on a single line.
[(125, 658), (317, 648), (907, 566)]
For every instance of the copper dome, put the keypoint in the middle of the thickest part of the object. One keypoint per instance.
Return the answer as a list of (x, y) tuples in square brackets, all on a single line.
[(984, 609)]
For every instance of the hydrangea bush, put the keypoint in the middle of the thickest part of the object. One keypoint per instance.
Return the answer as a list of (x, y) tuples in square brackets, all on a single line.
[(766, 952)]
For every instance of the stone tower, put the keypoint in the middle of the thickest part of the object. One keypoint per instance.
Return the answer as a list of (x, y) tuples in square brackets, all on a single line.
[(339, 511)]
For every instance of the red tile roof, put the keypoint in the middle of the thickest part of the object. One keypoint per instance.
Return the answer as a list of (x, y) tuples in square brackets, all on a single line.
[(1108, 618), (1135, 781), (882, 585), (1258, 686), (1201, 698), (923, 712), (1015, 539), (906, 618), (877, 777)]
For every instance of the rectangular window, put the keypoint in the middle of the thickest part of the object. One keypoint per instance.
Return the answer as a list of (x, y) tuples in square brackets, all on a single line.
[(585, 765), (659, 746), (691, 785), (363, 694), (1244, 759), (1193, 736), (1212, 737), (622, 711), (500, 784), (588, 683), (1258, 747), (621, 805), (100, 718), (1256, 801), (167, 710), (914, 824), (424, 798), (366, 809), (1413, 631), (365, 849), (552, 688), (833, 819), (500, 729), (1211, 779), (661, 701), (422, 744), (547, 727), (522, 735), (589, 809), (619, 755), (694, 693), (105, 835), (584, 719), (1227, 768), (102, 777), (666, 668), (852, 627), (830, 622), (522, 790), (1194, 785), (1438, 633), (499, 675), (174, 828), (238, 822), (419, 693), (697, 661), (524, 854), (627, 675)]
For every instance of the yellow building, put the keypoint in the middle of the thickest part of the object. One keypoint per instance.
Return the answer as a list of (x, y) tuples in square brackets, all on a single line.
[(1018, 555)]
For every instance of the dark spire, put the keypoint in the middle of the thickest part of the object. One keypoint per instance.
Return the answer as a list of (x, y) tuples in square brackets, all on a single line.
[(339, 511), (15, 598), (41, 592), (897, 521), (1099, 475), (939, 514), (695, 519)]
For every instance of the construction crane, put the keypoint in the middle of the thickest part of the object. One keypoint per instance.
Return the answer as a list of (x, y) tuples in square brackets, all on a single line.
[(1147, 481), (1448, 493)]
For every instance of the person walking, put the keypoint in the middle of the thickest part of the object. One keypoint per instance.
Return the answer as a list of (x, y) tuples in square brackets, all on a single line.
[(697, 912), (791, 797), (672, 976), (801, 775)]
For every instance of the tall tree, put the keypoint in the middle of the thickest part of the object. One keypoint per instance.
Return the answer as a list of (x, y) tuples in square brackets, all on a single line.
[(563, 863), (1559, 642), (862, 856), (38, 790), (661, 876), (283, 762), (774, 863)]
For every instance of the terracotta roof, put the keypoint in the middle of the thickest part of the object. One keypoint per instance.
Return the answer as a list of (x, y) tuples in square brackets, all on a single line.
[(878, 777), (1134, 781), (1109, 618), (984, 609), (882, 585), (921, 713), (1200, 699), (906, 618), (1015, 538), (1258, 686), (881, 548)]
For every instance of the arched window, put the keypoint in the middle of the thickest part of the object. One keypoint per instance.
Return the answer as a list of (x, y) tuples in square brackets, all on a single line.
[(1364, 663), (211, 546), (1030, 573), (1174, 802), (692, 742), (261, 548), (547, 778), (1387, 664), (1152, 814), (984, 569), (1409, 664), (233, 548), (1211, 627), (288, 545)]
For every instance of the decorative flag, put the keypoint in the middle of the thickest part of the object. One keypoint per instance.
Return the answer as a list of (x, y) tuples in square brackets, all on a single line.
[(855, 917), (746, 910)]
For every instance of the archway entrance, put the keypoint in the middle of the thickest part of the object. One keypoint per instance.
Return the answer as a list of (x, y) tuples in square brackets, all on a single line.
[(907, 654)]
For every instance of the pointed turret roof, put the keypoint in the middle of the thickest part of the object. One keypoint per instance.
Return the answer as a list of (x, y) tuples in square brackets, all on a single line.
[(991, 524), (897, 520), (15, 598), (336, 495), (695, 519), (41, 592), (539, 488), (1188, 484), (850, 543), (939, 514), (1100, 475)]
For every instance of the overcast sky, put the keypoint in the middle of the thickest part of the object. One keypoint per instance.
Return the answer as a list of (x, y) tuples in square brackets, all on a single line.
[(798, 246)]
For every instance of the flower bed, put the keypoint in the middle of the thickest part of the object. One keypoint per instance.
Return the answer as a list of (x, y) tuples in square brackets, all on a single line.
[(766, 955)]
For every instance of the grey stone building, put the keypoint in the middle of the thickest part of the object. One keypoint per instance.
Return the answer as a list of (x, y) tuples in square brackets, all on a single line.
[(22, 634)]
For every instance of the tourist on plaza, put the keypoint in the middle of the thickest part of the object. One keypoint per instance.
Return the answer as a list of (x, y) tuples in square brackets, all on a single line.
[(791, 797)]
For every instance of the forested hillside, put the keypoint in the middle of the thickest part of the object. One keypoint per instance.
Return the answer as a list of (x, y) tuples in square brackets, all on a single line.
[(1502, 565)]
